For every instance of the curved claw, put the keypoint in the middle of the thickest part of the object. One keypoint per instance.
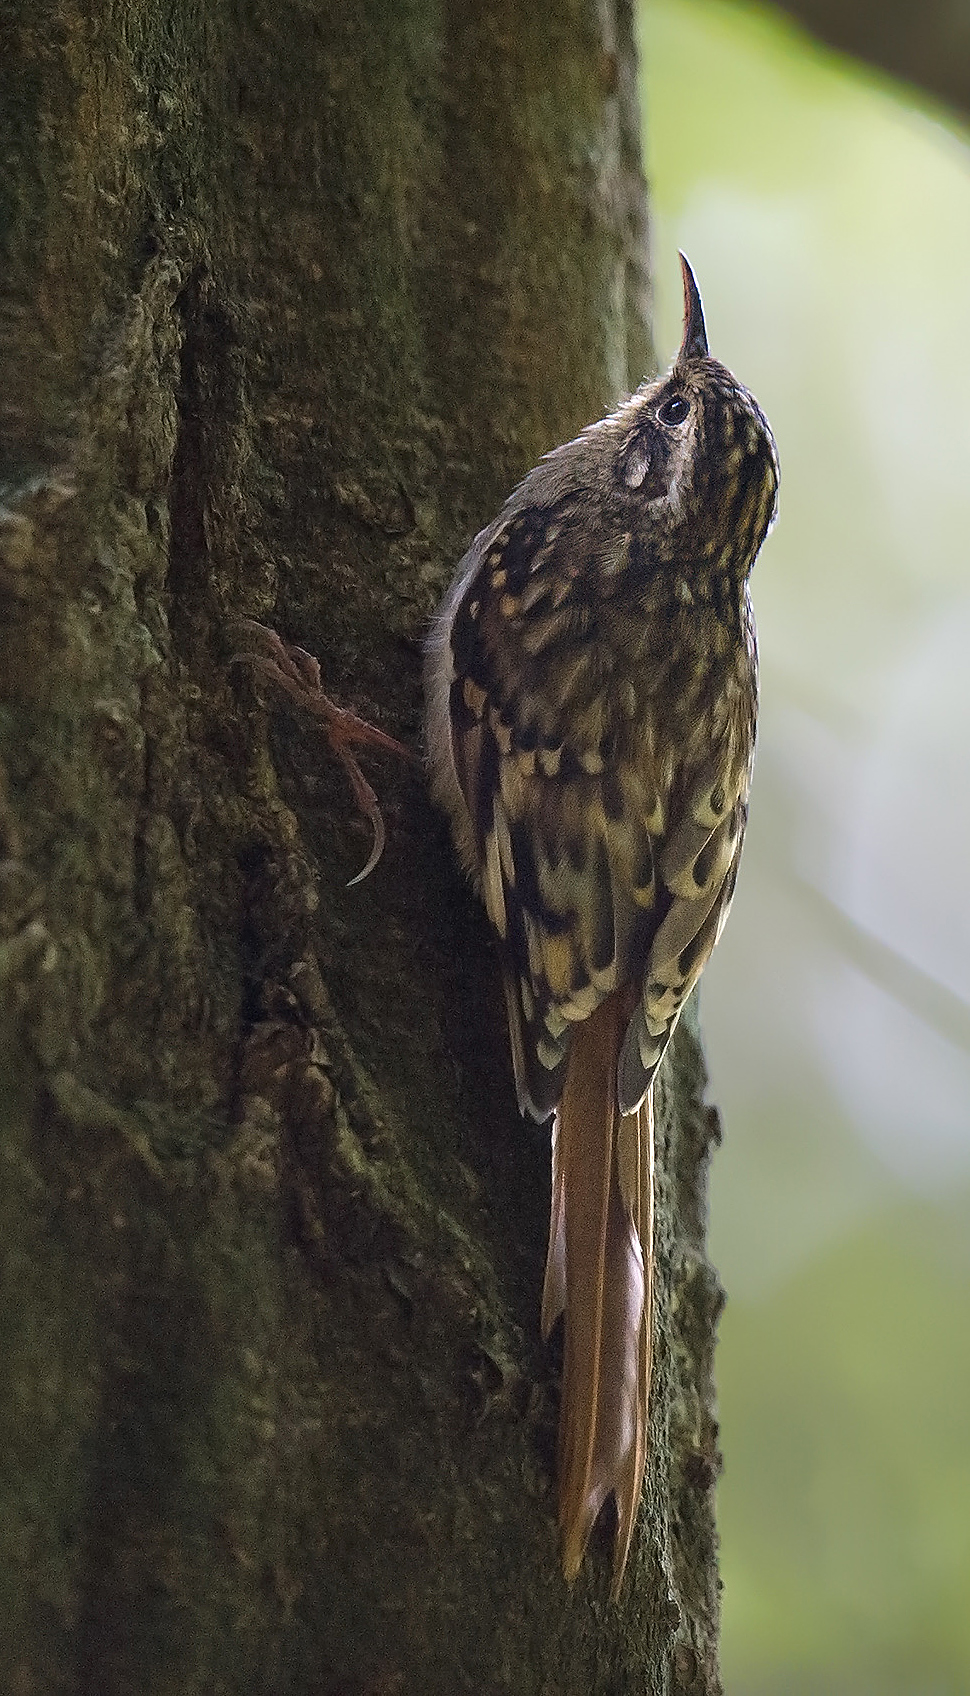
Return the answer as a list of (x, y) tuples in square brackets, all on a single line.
[(368, 804), (298, 673)]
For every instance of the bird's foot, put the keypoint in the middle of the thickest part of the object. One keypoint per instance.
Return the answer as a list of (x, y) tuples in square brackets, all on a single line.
[(298, 673)]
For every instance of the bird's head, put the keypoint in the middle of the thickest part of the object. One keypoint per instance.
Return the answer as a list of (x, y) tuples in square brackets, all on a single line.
[(698, 450)]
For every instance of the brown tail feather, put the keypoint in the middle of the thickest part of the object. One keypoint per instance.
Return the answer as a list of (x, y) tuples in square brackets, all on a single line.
[(600, 1268), (554, 1283)]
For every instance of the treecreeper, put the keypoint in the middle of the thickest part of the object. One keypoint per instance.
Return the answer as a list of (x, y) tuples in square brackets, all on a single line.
[(592, 692)]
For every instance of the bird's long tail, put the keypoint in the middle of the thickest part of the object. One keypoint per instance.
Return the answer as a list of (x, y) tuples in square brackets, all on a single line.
[(599, 1271)]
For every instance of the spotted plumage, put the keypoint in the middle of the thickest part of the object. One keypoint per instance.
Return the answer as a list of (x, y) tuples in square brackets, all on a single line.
[(592, 698)]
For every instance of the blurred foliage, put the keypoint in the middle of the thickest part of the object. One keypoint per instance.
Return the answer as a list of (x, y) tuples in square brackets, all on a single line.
[(847, 1492), (828, 222)]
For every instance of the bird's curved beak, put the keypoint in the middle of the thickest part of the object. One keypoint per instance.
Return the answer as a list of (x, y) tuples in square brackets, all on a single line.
[(694, 344)]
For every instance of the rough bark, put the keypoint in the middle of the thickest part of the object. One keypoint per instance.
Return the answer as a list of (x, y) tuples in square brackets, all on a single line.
[(291, 296)]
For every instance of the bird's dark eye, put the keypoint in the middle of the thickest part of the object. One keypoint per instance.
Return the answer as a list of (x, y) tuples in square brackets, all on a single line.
[(673, 410)]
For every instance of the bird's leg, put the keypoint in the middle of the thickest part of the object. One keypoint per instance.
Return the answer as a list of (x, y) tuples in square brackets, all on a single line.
[(298, 673)]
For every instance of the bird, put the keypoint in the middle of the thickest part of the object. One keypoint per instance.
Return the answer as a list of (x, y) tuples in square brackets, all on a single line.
[(591, 696)]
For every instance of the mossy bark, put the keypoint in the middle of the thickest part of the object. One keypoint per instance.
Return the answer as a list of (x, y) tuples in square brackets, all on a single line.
[(292, 294)]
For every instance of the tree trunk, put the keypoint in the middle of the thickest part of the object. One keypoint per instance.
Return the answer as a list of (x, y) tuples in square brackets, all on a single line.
[(292, 295)]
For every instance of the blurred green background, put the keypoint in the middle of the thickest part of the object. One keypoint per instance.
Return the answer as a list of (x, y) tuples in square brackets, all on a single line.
[(827, 218)]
